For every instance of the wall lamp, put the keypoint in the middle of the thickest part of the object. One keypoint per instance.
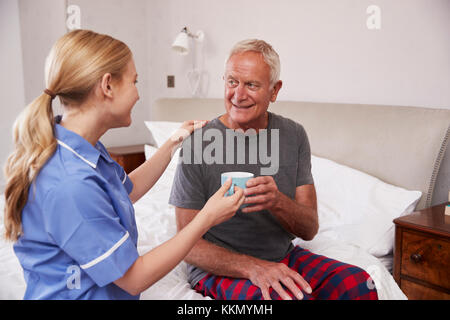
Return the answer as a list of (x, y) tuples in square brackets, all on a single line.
[(181, 43)]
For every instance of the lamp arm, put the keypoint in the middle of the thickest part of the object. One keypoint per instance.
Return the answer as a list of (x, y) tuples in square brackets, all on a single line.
[(198, 36)]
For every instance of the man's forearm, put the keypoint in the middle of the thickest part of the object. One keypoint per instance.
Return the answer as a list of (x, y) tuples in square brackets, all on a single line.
[(220, 261), (298, 219)]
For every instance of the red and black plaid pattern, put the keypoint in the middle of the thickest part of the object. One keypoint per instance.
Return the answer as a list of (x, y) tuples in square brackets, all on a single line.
[(328, 278)]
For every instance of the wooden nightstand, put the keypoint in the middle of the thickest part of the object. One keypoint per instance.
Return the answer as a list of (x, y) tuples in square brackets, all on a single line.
[(129, 157), (422, 254)]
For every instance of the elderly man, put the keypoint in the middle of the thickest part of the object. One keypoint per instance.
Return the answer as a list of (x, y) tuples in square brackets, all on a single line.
[(251, 256)]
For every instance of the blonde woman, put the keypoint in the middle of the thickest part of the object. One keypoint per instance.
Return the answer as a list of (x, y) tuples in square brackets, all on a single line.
[(68, 204)]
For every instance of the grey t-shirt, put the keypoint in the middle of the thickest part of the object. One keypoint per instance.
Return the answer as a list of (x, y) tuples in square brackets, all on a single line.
[(282, 150)]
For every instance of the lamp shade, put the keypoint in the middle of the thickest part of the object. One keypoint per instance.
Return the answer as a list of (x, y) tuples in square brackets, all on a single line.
[(181, 43)]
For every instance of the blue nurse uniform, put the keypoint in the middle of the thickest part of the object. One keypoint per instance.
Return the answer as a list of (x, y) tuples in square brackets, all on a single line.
[(79, 230)]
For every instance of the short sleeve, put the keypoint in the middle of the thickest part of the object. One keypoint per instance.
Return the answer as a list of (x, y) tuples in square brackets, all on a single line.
[(304, 174), (188, 190), (80, 218)]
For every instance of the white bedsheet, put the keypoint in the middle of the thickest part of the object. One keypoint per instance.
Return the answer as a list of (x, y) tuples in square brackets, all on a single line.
[(156, 223)]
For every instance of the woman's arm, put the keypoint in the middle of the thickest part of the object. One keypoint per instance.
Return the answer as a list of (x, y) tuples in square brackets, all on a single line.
[(147, 174), (149, 268), (155, 264)]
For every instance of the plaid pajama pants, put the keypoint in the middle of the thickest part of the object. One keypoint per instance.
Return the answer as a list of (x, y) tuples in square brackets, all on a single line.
[(328, 278)]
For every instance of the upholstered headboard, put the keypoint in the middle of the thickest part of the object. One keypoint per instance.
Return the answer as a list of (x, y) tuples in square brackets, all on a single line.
[(403, 146)]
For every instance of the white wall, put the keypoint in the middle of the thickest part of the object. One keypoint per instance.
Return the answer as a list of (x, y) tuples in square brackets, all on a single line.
[(124, 20), (28, 29), (327, 52), (42, 23), (11, 82)]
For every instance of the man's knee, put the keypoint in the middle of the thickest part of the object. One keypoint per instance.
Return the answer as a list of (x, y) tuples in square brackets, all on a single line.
[(351, 282)]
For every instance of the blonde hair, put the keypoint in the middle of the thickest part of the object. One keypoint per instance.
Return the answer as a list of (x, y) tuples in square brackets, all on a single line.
[(75, 64), (269, 55)]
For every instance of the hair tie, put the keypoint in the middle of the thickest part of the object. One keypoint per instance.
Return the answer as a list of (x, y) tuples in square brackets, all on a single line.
[(50, 93)]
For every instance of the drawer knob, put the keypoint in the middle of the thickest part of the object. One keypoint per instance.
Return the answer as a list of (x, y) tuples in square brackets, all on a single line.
[(416, 257)]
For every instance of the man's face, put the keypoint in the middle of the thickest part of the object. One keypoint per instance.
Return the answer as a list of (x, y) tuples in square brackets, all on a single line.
[(248, 91)]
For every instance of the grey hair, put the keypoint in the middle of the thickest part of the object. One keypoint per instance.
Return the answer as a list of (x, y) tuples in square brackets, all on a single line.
[(270, 56)]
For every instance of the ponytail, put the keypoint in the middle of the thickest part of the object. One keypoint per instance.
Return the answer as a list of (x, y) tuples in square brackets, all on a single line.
[(34, 144)]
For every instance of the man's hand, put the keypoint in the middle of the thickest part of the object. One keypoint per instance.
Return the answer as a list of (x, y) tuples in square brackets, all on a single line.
[(262, 193), (298, 216), (266, 275)]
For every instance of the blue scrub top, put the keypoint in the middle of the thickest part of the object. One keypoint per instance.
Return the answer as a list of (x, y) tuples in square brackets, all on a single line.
[(79, 230)]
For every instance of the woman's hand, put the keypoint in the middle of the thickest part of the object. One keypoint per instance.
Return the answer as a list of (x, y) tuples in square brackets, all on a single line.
[(146, 175), (156, 263), (186, 130), (220, 208)]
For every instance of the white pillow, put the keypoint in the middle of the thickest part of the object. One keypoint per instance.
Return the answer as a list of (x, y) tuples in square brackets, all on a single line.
[(358, 208), (149, 151), (162, 130), (161, 190)]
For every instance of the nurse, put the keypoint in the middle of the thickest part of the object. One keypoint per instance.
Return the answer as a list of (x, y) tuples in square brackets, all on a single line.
[(68, 204)]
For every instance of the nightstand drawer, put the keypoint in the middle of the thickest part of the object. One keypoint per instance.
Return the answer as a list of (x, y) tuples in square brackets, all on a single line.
[(426, 258), (415, 291)]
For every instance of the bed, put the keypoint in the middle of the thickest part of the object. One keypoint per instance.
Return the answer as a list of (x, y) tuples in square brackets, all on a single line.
[(371, 164)]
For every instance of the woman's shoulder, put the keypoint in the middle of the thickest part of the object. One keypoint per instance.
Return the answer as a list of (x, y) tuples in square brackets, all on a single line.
[(59, 177)]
